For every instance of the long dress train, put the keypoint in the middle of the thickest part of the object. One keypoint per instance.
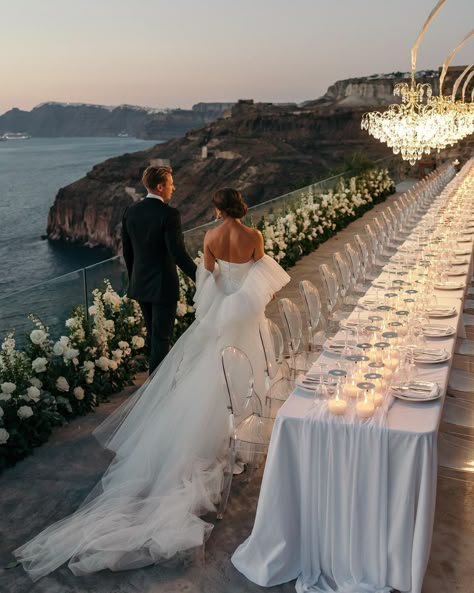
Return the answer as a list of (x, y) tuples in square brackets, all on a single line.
[(168, 439)]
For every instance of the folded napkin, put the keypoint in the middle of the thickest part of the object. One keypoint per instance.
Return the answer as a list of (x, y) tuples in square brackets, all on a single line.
[(449, 285), (440, 310), (416, 391), (430, 355), (438, 330)]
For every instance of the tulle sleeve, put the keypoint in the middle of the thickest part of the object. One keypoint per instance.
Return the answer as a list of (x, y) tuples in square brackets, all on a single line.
[(264, 279)]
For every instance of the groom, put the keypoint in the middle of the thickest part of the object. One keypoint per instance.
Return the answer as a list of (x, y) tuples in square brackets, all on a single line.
[(153, 245)]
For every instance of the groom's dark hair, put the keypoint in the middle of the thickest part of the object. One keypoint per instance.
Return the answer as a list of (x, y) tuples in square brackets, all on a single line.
[(152, 176)]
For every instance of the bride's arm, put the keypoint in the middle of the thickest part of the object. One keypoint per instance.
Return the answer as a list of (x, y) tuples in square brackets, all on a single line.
[(258, 251), (209, 259)]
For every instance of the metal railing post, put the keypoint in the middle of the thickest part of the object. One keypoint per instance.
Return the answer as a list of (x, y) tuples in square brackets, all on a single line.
[(86, 292)]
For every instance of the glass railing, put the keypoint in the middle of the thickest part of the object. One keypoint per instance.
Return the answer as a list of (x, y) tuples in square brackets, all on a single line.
[(54, 300)]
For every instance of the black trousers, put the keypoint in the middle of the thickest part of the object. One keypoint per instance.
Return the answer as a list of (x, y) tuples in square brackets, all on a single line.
[(159, 322)]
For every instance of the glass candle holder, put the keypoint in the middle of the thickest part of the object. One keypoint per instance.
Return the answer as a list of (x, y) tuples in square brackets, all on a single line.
[(379, 387), (365, 401), (337, 403)]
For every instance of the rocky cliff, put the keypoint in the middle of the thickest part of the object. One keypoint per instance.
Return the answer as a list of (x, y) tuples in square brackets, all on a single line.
[(265, 150), (79, 120)]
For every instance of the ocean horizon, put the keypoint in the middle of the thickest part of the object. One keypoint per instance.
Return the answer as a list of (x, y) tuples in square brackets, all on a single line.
[(31, 173)]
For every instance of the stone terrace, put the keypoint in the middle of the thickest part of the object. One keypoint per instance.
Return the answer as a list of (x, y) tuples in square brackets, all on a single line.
[(50, 484)]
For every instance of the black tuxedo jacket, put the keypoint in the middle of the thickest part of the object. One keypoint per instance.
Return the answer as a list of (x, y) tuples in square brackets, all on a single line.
[(153, 245)]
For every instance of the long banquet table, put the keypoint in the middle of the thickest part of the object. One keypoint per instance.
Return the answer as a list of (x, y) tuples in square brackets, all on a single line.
[(349, 507)]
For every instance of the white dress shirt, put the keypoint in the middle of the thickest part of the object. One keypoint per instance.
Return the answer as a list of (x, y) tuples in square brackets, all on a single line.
[(155, 196)]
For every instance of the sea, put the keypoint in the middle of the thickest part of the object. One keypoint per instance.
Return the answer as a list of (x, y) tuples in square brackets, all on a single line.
[(31, 173)]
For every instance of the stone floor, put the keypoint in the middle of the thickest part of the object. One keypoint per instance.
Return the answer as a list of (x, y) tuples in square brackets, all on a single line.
[(51, 483)]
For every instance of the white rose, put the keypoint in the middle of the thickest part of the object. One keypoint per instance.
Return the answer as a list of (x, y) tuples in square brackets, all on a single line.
[(58, 349), (89, 379), (39, 365), (37, 336), (33, 393), (123, 344), (102, 363), (131, 320), (36, 382), (109, 324), (93, 310), (113, 365), (24, 412), (7, 387), (138, 341), (88, 365), (78, 393), (62, 384), (4, 436), (4, 397)]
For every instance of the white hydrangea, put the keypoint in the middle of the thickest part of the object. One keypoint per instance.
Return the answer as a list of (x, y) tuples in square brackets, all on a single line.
[(39, 365), (4, 436), (7, 387), (25, 412)]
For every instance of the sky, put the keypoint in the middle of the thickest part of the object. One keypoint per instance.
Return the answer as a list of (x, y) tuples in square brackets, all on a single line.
[(175, 53)]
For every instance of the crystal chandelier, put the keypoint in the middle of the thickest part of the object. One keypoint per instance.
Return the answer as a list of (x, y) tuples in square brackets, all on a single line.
[(422, 122)]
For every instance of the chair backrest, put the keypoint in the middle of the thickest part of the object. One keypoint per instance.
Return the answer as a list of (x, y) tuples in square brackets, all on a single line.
[(354, 260), (343, 272), (272, 344), (238, 380), (292, 323), (330, 285), (312, 303)]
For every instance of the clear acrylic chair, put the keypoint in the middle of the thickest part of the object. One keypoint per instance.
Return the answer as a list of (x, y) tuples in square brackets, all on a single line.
[(293, 329), (315, 319), (249, 430), (333, 300), (345, 281), (278, 383)]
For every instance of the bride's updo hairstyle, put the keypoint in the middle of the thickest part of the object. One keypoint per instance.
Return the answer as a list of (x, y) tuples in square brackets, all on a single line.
[(230, 202)]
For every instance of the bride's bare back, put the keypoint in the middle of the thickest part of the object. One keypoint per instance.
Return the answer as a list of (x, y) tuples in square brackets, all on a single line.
[(233, 242)]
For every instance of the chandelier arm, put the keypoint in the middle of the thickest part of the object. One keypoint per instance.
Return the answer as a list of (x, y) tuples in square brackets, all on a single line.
[(458, 81), (449, 58), (414, 49), (464, 86)]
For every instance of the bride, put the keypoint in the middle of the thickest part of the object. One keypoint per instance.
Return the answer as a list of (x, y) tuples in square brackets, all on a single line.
[(170, 439)]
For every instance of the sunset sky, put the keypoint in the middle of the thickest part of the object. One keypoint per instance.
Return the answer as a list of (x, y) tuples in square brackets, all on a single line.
[(174, 53)]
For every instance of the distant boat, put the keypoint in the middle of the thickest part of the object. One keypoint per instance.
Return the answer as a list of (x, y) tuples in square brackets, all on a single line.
[(123, 134), (15, 136)]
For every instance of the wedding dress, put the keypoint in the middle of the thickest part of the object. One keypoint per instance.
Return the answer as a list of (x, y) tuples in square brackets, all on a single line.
[(169, 439)]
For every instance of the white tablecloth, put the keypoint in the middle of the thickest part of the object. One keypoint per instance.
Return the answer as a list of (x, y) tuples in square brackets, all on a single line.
[(350, 507)]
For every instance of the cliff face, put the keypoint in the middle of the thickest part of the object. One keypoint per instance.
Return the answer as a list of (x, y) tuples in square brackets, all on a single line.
[(80, 120), (264, 150)]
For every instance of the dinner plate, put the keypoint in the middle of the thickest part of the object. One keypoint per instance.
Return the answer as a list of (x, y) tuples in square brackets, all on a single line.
[(430, 356), (438, 331), (456, 272), (462, 252), (368, 302), (450, 285), (458, 262), (337, 346), (303, 382)]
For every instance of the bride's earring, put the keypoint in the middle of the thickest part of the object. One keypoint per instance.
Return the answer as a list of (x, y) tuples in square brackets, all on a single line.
[(218, 215)]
